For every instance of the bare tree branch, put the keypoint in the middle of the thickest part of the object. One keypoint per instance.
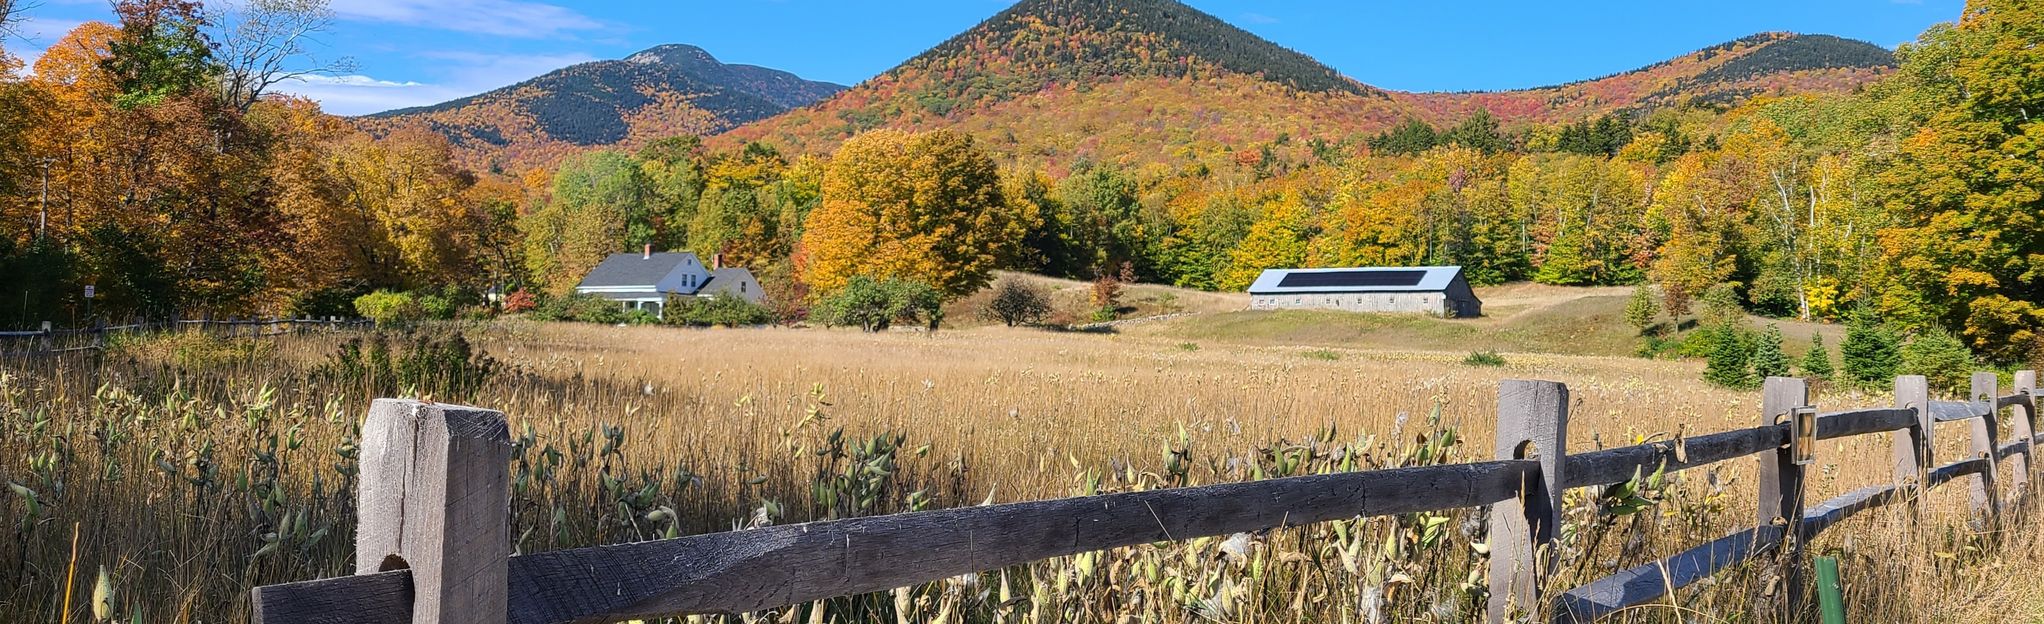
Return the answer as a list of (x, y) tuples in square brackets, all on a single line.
[(266, 42)]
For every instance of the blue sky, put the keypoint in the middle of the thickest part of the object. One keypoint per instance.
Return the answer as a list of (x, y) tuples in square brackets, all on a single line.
[(413, 52)]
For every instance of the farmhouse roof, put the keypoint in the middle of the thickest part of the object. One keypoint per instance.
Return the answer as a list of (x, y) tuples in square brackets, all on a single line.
[(726, 280), (630, 269), (1355, 280)]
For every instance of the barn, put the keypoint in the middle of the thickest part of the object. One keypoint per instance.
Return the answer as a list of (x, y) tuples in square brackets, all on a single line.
[(1438, 291)]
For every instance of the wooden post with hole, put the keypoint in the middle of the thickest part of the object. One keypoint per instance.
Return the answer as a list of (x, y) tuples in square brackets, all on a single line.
[(1912, 445), (435, 498), (1781, 493), (1532, 424), (2023, 428), (1984, 486)]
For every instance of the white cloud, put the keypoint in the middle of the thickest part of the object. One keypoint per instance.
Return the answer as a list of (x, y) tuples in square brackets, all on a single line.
[(465, 74), (503, 18)]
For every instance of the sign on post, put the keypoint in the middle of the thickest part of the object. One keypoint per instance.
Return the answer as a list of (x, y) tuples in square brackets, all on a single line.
[(88, 291)]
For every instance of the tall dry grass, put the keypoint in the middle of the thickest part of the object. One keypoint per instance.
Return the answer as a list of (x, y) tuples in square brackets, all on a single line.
[(194, 469)]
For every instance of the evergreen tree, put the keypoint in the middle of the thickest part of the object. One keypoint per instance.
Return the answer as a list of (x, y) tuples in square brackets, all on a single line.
[(1730, 361), (1941, 358), (1408, 139), (1642, 308), (1817, 362), (1871, 352), (1768, 358)]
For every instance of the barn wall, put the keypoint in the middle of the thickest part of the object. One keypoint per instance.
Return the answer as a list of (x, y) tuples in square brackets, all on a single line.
[(1433, 303)]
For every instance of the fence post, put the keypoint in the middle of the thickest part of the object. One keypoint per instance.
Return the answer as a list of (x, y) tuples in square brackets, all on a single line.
[(2025, 425), (1532, 424), (1912, 445), (49, 341), (2024, 432), (1985, 489), (1781, 492), (434, 497)]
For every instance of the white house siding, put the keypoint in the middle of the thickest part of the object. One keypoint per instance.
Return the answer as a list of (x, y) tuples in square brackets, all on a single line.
[(1433, 303)]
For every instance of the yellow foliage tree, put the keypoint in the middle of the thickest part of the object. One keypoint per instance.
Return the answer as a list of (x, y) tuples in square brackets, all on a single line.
[(925, 207)]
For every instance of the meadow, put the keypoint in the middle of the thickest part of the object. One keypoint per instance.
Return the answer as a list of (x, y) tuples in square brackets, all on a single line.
[(168, 475)]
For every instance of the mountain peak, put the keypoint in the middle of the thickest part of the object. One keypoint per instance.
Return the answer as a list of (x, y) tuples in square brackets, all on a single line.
[(1037, 43), (675, 54)]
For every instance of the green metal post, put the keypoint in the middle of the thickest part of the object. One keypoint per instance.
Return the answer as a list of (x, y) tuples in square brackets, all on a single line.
[(1829, 599)]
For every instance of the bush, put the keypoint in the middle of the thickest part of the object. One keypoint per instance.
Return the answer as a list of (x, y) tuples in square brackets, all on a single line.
[(875, 305), (1017, 303), (1871, 352), (723, 309), (1817, 362), (1484, 358), (637, 316), (389, 308), (580, 308), (519, 301), (1321, 354), (1941, 358)]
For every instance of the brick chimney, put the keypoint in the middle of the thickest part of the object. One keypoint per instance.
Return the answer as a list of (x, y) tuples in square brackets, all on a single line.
[(716, 261), (649, 252)]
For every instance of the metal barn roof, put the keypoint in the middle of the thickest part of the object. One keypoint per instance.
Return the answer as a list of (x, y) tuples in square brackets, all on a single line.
[(1355, 280)]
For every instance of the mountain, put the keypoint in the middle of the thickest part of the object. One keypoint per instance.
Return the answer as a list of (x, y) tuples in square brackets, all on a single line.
[(1720, 75), (670, 89), (1158, 81), (1061, 79)]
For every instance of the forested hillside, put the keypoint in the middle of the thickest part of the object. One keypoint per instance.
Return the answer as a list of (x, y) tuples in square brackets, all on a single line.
[(1117, 80), (1721, 75), (663, 91)]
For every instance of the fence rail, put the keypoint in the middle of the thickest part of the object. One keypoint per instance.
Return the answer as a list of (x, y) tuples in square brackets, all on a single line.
[(433, 543), (53, 341)]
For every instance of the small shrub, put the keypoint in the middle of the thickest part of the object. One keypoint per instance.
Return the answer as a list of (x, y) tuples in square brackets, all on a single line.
[(520, 301), (1321, 354), (1188, 346), (1484, 358), (637, 316), (1016, 303), (436, 306), (580, 308), (723, 309), (389, 308), (875, 305)]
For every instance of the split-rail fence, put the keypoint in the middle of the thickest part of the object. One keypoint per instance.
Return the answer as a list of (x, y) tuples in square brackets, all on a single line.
[(434, 546)]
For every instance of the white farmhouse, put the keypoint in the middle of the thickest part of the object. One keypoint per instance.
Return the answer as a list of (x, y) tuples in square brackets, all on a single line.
[(1438, 291), (642, 281)]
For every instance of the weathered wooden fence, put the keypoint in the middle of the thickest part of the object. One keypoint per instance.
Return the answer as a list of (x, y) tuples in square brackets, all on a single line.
[(48, 340), (433, 545)]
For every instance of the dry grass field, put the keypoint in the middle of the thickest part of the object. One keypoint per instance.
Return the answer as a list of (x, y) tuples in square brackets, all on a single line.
[(193, 469)]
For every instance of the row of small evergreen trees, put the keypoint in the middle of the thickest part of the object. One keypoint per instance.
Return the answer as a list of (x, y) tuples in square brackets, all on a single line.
[(1737, 356)]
